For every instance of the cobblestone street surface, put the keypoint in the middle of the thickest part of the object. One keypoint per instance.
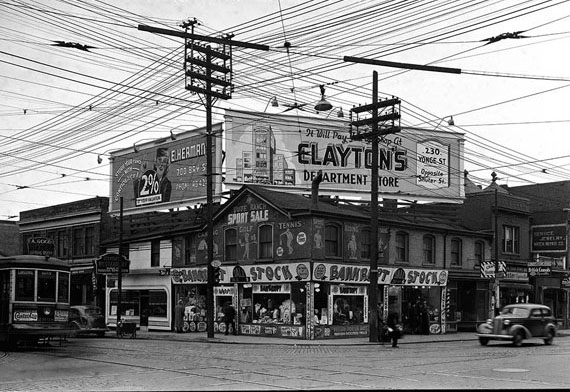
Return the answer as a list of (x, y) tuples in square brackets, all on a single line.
[(169, 361)]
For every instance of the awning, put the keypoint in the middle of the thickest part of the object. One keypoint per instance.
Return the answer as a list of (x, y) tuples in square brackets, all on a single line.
[(516, 285), (82, 269)]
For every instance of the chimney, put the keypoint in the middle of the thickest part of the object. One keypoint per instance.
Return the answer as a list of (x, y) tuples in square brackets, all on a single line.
[(315, 188)]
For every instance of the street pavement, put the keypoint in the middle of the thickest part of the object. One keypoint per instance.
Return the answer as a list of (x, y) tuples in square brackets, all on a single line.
[(248, 339)]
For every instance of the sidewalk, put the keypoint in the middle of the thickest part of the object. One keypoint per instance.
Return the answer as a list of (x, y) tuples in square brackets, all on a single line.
[(248, 339)]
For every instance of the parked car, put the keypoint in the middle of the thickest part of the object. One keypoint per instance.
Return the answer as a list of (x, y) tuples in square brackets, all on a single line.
[(518, 322), (86, 319)]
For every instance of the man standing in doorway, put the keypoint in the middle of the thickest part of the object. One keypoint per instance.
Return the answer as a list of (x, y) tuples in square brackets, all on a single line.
[(229, 318)]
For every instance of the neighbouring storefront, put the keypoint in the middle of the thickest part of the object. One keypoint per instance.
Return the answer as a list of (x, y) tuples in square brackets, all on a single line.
[(145, 300)]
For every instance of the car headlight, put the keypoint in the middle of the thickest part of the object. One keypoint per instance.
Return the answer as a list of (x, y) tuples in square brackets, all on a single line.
[(506, 323)]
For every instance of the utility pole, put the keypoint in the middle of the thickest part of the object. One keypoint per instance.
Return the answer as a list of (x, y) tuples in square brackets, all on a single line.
[(202, 66), (496, 234), (372, 134)]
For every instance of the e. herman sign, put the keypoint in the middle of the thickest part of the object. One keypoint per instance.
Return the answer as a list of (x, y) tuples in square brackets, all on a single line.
[(548, 238), (164, 173), (287, 153)]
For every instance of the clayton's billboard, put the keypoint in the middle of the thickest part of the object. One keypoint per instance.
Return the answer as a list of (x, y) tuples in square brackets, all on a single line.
[(287, 152), (164, 173)]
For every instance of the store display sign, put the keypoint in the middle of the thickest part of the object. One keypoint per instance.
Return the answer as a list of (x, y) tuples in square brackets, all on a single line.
[(287, 153), (291, 272), (164, 173), (548, 238), (41, 246), (386, 275), (539, 268), (272, 288)]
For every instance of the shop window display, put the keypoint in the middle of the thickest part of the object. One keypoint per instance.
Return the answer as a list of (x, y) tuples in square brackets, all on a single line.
[(420, 309), (282, 307), (348, 309)]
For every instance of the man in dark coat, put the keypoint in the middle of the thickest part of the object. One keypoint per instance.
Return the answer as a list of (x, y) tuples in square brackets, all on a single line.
[(230, 318), (179, 316)]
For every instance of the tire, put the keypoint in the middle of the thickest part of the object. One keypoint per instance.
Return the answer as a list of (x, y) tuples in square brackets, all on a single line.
[(517, 339), (549, 337), (75, 327), (483, 341)]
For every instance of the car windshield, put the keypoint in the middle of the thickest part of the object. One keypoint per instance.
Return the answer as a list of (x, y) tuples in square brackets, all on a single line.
[(93, 311), (515, 311)]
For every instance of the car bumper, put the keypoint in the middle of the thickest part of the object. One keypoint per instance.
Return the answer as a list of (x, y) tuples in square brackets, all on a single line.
[(491, 336)]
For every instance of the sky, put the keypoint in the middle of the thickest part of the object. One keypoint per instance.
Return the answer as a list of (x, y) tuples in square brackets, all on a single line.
[(62, 107)]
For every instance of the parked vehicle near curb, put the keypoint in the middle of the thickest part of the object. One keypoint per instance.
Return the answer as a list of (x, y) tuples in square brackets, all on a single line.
[(518, 322), (86, 319)]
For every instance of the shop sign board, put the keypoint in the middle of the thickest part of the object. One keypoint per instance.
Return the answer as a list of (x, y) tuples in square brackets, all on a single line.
[(488, 269), (41, 246), (164, 173), (269, 288), (110, 263), (565, 282), (343, 273), (287, 153), (539, 268), (548, 238), (258, 273)]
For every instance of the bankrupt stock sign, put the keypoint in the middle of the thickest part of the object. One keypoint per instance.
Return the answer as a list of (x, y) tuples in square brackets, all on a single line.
[(288, 152), (164, 173)]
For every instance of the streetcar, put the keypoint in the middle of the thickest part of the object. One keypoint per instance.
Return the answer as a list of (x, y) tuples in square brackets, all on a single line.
[(34, 299)]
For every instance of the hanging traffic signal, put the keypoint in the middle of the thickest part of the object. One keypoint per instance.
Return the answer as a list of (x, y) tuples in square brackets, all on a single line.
[(216, 276)]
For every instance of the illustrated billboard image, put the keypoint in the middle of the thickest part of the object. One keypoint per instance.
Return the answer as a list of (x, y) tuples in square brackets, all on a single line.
[(164, 173), (287, 152)]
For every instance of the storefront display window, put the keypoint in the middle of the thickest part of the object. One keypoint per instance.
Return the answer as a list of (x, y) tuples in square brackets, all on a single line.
[(420, 309), (347, 304), (277, 303)]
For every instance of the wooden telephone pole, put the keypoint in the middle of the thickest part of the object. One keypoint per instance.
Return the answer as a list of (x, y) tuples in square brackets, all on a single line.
[(372, 133), (206, 68)]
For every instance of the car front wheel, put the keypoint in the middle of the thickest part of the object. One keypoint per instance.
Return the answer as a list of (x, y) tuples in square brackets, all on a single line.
[(483, 341), (517, 339), (549, 337)]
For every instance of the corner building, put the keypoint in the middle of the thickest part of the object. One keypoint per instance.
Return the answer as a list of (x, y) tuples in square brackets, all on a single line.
[(298, 267)]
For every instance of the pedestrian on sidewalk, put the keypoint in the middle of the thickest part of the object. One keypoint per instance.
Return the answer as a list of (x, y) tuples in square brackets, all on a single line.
[(381, 326), (393, 328), (179, 316), (229, 318)]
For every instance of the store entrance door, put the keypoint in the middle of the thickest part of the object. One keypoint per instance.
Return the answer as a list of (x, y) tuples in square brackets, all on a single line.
[(144, 308)]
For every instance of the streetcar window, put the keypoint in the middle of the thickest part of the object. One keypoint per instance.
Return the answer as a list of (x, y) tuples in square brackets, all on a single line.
[(25, 285), (63, 287), (46, 286)]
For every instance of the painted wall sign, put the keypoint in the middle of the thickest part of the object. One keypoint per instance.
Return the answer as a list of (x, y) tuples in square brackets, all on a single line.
[(386, 275), (425, 164), (548, 238), (164, 173)]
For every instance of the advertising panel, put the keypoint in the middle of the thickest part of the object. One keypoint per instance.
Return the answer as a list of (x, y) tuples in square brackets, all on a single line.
[(548, 238), (287, 153), (164, 173)]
